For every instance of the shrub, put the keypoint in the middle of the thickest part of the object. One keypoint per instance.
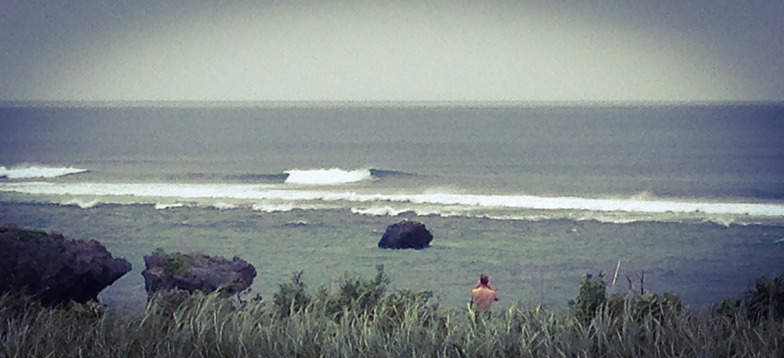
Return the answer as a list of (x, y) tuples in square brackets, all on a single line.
[(649, 305), (354, 294), (590, 298), (404, 304), (176, 264), (27, 235), (766, 300), (291, 297)]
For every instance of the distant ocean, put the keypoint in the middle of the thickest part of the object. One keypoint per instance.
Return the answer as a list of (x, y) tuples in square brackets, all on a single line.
[(720, 163), (536, 196)]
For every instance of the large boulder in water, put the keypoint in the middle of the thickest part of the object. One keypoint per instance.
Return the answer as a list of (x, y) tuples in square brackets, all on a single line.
[(53, 269), (195, 272), (406, 235)]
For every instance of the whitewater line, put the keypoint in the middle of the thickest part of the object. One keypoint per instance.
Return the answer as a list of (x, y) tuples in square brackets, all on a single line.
[(271, 192)]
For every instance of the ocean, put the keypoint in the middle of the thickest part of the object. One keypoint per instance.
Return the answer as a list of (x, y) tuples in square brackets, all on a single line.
[(690, 194)]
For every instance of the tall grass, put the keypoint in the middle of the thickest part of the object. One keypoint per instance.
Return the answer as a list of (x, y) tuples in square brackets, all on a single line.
[(359, 318)]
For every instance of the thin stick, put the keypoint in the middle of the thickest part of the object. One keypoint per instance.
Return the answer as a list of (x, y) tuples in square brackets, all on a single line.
[(617, 268), (541, 285), (642, 283)]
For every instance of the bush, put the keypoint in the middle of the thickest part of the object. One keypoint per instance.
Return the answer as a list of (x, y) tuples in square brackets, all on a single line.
[(176, 264), (590, 298), (649, 305), (764, 301), (354, 294), (291, 298), (405, 304)]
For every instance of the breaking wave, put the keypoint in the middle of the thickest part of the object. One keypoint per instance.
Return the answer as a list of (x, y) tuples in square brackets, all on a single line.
[(164, 206), (332, 176), (284, 197), (36, 171)]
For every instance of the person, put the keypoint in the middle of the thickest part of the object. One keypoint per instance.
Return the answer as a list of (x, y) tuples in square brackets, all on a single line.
[(483, 295)]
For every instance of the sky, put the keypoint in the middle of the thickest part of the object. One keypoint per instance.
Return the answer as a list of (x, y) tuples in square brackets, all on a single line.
[(556, 50)]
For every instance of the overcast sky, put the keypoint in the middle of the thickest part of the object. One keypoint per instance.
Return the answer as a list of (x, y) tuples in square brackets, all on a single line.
[(557, 50)]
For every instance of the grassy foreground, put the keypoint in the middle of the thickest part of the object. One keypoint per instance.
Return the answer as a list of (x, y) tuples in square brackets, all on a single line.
[(357, 317)]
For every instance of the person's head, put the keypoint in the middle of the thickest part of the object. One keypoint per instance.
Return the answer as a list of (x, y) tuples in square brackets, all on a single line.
[(484, 279)]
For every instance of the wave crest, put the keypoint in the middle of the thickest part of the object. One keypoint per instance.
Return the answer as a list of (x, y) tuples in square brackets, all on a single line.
[(279, 197), (334, 176), (36, 171)]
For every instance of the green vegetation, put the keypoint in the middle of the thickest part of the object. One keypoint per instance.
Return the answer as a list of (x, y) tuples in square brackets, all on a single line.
[(25, 235), (592, 300), (292, 297), (176, 263), (358, 317), (591, 297), (764, 302)]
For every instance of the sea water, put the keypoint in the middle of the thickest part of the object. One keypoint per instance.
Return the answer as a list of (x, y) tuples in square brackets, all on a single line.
[(610, 163), (504, 166)]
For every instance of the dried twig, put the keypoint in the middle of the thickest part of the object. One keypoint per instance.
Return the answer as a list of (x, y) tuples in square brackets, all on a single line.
[(615, 276)]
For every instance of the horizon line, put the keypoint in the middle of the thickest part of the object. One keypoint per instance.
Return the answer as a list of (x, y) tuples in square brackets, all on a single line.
[(373, 103)]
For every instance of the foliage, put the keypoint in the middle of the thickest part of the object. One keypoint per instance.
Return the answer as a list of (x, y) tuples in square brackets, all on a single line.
[(590, 298), (291, 297), (354, 294), (166, 302), (763, 302), (24, 234), (650, 304), (766, 300), (176, 263), (399, 324)]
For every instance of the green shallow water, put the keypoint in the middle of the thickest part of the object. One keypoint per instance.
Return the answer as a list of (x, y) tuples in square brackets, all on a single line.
[(530, 262)]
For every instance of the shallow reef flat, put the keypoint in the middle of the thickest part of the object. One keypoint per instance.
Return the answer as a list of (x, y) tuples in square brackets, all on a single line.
[(530, 262)]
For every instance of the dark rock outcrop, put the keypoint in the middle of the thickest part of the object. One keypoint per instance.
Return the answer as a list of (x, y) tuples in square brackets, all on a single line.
[(195, 272), (53, 269), (406, 235)]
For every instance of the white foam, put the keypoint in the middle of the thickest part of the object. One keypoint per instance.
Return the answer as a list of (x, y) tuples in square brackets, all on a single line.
[(378, 211), (84, 204), (34, 171), (164, 206), (332, 176), (223, 206), (281, 197), (150, 190), (272, 208)]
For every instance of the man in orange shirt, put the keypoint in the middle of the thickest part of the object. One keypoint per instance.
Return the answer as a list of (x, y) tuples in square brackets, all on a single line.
[(483, 295)]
